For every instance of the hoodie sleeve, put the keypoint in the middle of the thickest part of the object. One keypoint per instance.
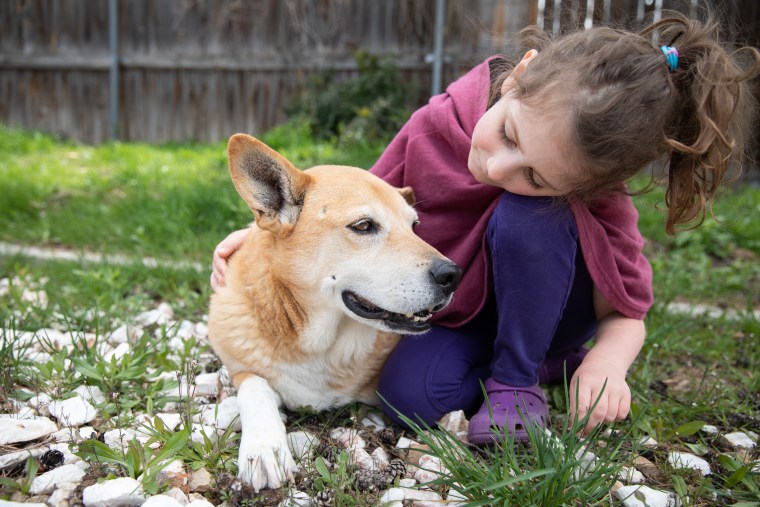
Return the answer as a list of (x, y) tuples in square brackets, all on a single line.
[(612, 248)]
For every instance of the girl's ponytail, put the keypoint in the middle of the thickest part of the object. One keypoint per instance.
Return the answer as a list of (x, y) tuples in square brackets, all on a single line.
[(711, 117)]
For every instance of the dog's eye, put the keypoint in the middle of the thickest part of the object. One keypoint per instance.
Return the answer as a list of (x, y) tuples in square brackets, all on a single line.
[(363, 226), (415, 223)]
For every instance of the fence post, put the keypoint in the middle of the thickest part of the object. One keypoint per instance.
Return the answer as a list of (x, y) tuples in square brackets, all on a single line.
[(440, 17), (113, 91)]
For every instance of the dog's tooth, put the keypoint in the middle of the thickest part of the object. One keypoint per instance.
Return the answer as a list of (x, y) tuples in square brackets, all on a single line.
[(409, 315)]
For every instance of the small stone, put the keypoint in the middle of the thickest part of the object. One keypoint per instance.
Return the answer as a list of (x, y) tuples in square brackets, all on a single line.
[(178, 495), (348, 438), (737, 439), (206, 384), (40, 403), (359, 457), (162, 501), (454, 497), (393, 495), (124, 492), (117, 353), (91, 394), (296, 499), (72, 411), (631, 475), (47, 482), (125, 334), (648, 442), (422, 495), (710, 429), (302, 445), (687, 460), (86, 432), (201, 502), (202, 432), (200, 480), (644, 496), (407, 483), (221, 415), (374, 420), (380, 459), (13, 431), (13, 459), (118, 439), (173, 473), (406, 443), (64, 496), (457, 424)]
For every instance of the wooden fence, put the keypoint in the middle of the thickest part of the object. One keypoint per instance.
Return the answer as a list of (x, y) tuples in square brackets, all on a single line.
[(200, 69)]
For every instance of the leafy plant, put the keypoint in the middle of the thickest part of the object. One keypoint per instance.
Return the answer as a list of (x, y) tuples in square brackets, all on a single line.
[(24, 484), (372, 106)]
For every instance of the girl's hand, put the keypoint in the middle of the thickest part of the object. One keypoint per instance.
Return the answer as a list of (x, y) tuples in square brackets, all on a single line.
[(614, 395), (222, 254)]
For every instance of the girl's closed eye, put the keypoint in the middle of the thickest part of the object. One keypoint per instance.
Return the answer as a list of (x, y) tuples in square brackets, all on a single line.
[(505, 139), (530, 177)]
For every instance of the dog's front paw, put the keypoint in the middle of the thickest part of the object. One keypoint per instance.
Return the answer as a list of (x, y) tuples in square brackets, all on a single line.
[(265, 462)]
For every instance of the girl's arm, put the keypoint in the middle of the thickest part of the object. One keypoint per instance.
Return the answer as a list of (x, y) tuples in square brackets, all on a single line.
[(602, 374), (222, 254)]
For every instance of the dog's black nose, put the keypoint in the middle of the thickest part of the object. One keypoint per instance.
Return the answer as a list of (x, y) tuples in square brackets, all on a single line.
[(446, 274)]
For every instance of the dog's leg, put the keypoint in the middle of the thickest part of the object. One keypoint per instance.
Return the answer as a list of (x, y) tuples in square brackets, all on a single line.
[(264, 459)]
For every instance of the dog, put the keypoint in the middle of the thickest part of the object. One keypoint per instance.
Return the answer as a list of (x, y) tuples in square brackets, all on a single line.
[(328, 279)]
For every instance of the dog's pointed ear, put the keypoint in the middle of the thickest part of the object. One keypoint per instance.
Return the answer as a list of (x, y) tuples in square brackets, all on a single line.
[(271, 186), (408, 194)]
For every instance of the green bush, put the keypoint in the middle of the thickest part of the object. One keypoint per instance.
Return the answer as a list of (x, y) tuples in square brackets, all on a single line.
[(373, 106)]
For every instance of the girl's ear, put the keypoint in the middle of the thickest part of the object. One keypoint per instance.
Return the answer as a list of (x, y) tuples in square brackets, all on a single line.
[(518, 71)]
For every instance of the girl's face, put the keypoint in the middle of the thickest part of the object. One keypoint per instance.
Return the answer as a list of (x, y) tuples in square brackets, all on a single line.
[(521, 151)]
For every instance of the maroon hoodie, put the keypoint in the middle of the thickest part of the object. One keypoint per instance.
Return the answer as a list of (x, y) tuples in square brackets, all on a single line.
[(430, 155)]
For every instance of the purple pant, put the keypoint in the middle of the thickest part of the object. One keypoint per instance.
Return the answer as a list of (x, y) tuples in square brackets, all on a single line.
[(542, 304)]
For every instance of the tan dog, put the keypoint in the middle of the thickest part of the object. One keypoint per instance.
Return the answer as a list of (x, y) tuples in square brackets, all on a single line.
[(314, 298)]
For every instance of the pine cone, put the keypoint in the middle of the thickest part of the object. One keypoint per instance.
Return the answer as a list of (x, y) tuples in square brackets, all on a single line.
[(328, 449), (396, 468), (366, 480), (325, 498)]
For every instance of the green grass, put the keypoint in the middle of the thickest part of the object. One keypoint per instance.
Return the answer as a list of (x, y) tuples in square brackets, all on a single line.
[(175, 202)]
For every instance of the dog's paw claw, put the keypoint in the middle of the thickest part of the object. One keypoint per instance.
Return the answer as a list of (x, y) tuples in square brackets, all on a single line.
[(263, 465)]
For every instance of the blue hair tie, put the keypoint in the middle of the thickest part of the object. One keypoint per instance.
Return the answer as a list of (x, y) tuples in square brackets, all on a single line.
[(671, 55)]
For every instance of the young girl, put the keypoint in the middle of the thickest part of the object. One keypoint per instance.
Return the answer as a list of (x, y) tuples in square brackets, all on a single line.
[(519, 172)]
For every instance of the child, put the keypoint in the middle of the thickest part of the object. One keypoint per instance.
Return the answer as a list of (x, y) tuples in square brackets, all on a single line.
[(519, 172)]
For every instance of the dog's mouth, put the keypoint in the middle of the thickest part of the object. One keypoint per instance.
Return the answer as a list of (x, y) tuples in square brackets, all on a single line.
[(416, 322)]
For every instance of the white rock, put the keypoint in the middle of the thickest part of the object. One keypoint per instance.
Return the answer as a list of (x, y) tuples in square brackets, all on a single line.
[(117, 353), (348, 437), (123, 491), (200, 480), (630, 475), (455, 423), (53, 337), (687, 460), (91, 394), (430, 469), (221, 415), (393, 495), (374, 420), (455, 496), (63, 496), (72, 411), (23, 413), (161, 315), (172, 471), (185, 330), (206, 384), (380, 458), (406, 443), (64, 435), (407, 482), (359, 457), (737, 439), (710, 429), (178, 495), (13, 459), (40, 403), (586, 463), (8, 503), (644, 496), (302, 445), (648, 441), (13, 431), (125, 334), (201, 432), (296, 499), (161, 501), (119, 439), (422, 495), (47, 482), (86, 432), (200, 503), (144, 422)]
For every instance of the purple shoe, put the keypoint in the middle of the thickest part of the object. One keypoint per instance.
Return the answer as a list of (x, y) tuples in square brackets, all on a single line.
[(552, 369), (513, 408)]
